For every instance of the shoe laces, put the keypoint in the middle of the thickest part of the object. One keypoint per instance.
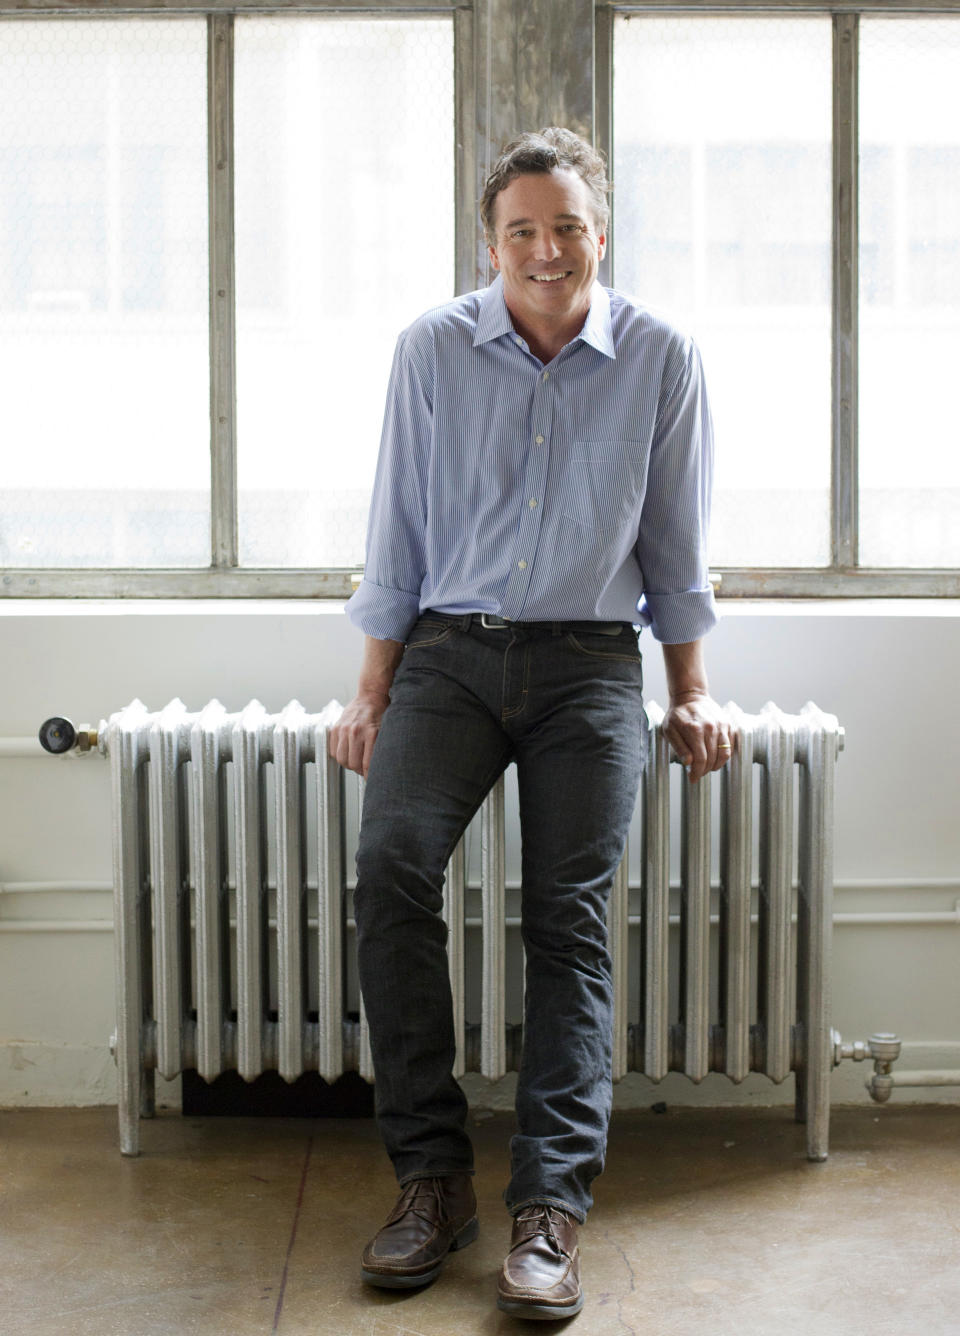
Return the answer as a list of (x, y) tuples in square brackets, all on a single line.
[(424, 1198), (543, 1219)]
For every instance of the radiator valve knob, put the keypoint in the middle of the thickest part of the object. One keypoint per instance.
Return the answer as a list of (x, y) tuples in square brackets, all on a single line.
[(57, 735)]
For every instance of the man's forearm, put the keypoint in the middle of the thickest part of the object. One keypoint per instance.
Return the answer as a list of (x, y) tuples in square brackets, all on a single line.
[(686, 671), (380, 659)]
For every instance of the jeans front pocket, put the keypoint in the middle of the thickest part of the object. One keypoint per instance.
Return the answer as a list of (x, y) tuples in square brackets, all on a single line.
[(429, 631), (624, 649)]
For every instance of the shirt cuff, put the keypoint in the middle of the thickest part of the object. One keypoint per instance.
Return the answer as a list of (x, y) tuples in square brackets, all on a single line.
[(385, 614), (676, 619)]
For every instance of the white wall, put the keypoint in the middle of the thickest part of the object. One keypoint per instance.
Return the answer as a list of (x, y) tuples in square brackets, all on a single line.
[(888, 670)]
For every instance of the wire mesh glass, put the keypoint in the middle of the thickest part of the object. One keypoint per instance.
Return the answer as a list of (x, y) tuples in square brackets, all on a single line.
[(721, 169), (345, 196), (103, 293), (909, 440)]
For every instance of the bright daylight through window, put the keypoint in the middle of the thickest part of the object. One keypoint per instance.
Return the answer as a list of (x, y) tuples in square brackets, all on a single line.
[(342, 236), (909, 292), (722, 218), (103, 293), (355, 146)]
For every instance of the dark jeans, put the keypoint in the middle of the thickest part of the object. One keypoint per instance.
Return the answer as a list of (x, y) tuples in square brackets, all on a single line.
[(466, 700)]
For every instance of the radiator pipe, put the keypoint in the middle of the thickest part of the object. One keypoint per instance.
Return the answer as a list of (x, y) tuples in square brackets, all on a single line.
[(884, 1049), (921, 917), (16, 749), (920, 1078)]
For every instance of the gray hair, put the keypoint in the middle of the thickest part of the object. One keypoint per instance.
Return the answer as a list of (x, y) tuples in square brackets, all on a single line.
[(543, 152)]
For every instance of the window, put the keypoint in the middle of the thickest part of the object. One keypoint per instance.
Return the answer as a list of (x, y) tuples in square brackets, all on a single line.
[(214, 224), (103, 294), (829, 339), (910, 292), (332, 238)]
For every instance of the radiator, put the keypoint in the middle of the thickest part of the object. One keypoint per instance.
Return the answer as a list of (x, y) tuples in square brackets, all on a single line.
[(230, 957)]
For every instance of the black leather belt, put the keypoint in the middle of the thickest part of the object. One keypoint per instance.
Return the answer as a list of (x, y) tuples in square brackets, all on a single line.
[(491, 622)]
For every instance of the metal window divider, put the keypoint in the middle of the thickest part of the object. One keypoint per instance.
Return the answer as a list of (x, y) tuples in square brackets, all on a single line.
[(224, 539)]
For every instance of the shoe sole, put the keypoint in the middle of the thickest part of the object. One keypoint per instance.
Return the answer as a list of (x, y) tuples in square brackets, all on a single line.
[(399, 1281), (539, 1312)]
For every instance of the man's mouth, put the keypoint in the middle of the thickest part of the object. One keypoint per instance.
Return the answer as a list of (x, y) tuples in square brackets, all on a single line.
[(551, 278)]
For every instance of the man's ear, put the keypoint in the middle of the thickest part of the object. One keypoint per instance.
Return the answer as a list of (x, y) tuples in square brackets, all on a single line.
[(493, 257), (601, 245)]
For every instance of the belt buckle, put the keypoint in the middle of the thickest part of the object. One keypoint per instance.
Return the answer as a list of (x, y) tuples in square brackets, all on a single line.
[(498, 624)]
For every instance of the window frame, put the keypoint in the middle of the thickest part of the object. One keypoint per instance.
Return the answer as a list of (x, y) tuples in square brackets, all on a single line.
[(501, 81), (225, 577), (844, 577)]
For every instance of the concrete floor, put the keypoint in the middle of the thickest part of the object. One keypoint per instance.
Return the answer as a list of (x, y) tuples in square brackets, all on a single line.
[(707, 1223)]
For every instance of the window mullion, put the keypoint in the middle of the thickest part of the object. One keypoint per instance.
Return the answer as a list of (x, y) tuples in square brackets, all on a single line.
[(223, 342), (603, 121), (466, 238), (844, 491)]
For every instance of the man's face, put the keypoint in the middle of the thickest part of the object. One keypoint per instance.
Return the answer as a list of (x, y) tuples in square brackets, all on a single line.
[(547, 247)]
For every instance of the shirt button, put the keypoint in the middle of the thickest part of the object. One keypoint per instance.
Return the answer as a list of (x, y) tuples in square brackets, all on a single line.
[(522, 564), (539, 440), (546, 375), (518, 340), (533, 503)]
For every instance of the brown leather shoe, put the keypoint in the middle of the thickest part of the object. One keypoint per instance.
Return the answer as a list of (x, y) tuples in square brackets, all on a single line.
[(541, 1275), (433, 1216)]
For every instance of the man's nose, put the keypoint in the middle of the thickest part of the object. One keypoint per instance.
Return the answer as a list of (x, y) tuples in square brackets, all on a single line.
[(547, 247)]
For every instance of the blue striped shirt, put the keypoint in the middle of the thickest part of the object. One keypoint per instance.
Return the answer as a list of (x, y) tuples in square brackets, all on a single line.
[(576, 490)]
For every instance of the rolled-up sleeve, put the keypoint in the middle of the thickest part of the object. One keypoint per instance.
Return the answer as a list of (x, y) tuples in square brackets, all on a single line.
[(677, 602), (387, 602)]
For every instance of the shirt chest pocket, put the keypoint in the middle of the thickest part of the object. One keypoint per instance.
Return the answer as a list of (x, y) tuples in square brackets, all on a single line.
[(601, 484)]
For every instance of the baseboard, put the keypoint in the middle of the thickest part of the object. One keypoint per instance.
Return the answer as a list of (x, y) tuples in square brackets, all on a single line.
[(38, 1075)]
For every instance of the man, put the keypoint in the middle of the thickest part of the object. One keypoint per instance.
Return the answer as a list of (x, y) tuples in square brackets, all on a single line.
[(543, 484)]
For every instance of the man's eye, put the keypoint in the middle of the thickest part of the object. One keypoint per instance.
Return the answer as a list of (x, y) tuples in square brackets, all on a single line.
[(521, 232)]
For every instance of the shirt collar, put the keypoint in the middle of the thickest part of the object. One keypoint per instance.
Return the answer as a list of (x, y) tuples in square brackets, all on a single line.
[(494, 320)]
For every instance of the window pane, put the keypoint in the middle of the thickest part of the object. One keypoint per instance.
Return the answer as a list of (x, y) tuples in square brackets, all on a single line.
[(344, 235), (909, 292), (722, 220), (103, 293)]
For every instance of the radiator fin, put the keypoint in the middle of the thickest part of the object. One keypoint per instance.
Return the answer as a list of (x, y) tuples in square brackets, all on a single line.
[(695, 928), (493, 1024), (291, 887), (736, 849), (331, 901), (168, 743), (250, 833), (655, 916)]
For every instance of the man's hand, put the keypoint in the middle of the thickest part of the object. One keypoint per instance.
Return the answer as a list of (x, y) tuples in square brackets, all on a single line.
[(695, 725), (351, 740), (699, 732)]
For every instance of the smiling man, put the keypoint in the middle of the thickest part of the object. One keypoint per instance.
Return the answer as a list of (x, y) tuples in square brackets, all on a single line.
[(543, 488)]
